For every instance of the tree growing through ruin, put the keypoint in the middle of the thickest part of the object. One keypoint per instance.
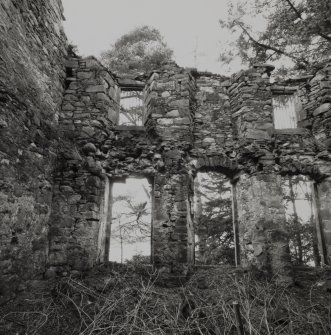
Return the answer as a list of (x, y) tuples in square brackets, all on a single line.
[(131, 221), (301, 228), (141, 50), (296, 32), (213, 220)]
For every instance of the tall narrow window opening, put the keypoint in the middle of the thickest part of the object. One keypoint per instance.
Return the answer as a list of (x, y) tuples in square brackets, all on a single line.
[(301, 215), (130, 236), (213, 225)]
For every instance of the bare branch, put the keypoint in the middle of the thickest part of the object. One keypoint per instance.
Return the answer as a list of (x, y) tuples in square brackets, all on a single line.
[(269, 47), (294, 9), (318, 28)]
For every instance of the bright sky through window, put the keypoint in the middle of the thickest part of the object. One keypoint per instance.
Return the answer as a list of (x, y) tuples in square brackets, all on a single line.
[(131, 220)]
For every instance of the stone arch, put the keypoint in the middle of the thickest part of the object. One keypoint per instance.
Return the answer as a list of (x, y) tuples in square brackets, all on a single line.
[(220, 163)]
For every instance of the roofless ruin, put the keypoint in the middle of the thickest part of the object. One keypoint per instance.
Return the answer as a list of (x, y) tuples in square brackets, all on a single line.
[(63, 147)]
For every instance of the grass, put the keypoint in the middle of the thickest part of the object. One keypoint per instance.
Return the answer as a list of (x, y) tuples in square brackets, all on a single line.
[(132, 301)]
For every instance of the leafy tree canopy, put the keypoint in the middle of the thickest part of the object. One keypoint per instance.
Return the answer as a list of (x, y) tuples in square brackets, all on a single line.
[(140, 50), (297, 33)]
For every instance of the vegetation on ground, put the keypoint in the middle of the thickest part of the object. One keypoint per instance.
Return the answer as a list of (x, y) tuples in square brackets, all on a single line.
[(130, 300)]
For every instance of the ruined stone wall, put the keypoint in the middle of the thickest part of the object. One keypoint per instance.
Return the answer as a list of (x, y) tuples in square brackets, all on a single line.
[(61, 150), (319, 105), (243, 106), (212, 118), (183, 109), (94, 153), (258, 154), (86, 120), (170, 107), (306, 150), (251, 105), (32, 52), (319, 113)]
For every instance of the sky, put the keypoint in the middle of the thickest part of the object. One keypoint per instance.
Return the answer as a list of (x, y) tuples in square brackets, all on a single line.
[(190, 27), (126, 239)]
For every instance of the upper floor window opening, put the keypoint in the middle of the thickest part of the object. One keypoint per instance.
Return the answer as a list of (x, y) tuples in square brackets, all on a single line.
[(286, 111), (131, 108)]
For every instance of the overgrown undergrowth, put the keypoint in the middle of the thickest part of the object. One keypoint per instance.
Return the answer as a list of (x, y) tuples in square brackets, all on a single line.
[(131, 302)]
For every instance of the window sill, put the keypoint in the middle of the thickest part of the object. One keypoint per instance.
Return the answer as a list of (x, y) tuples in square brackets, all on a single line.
[(131, 128), (290, 131)]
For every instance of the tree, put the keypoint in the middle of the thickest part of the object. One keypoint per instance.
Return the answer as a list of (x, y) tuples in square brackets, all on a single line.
[(213, 220), (131, 223), (296, 32), (298, 202), (140, 50)]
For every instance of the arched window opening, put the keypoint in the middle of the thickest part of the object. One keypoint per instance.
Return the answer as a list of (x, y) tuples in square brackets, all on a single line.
[(301, 217), (130, 235), (213, 223)]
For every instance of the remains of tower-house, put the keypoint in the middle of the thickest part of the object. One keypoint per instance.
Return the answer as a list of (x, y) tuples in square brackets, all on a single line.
[(61, 150)]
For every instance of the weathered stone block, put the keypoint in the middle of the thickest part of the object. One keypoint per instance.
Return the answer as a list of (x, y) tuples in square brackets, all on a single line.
[(322, 109), (95, 89)]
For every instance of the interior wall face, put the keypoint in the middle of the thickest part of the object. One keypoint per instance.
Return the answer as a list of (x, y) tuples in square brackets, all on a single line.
[(59, 144), (193, 122), (32, 56), (87, 117)]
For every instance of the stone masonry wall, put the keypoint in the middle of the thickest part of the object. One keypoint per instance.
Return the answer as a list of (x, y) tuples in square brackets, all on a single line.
[(212, 119), (183, 110), (94, 153), (86, 122), (319, 105), (251, 109), (170, 104), (261, 151), (306, 150), (32, 55), (61, 150), (319, 112)]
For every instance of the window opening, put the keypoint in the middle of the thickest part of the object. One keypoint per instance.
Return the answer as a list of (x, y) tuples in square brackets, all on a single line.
[(286, 111), (130, 236), (131, 108), (300, 220), (213, 225)]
